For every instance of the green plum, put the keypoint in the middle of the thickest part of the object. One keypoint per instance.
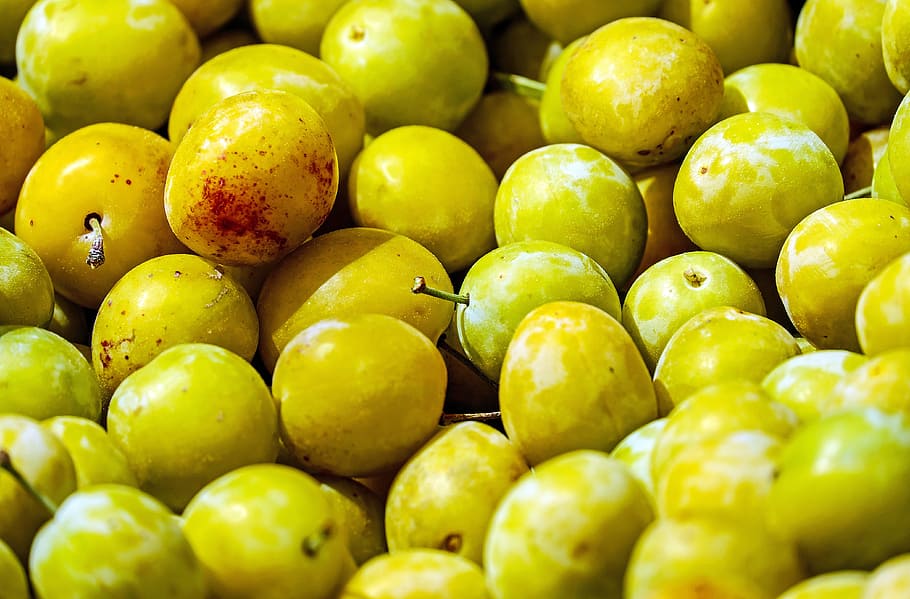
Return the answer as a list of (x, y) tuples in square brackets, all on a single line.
[(43, 375), (677, 288), (266, 531), (841, 42), (362, 514), (213, 408), (224, 40), (898, 152), (15, 583), (719, 344), (26, 288), (635, 451), (896, 43), (748, 181), (69, 321), (488, 13), (567, 20), (844, 584), (642, 89), (165, 301), (446, 493), (519, 47), (828, 259), (208, 16), (572, 378), (890, 579), (12, 12), (882, 381), (554, 123), (380, 48), (883, 183), (864, 153), (566, 530), (805, 383), (114, 541), (790, 92), (95, 457), (428, 185), (842, 478), (574, 195), (22, 129), (883, 309), (417, 574), (293, 23)]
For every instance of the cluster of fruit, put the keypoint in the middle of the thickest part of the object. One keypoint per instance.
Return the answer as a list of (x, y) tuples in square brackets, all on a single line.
[(233, 362)]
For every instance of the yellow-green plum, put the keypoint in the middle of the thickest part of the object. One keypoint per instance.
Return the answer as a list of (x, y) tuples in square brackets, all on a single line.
[(519, 47), (574, 195), (380, 48), (428, 185), (719, 344), (266, 531), (224, 40), (843, 584), (748, 181), (566, 530), (864, 153), (883, 309), (572, 378), (70, 321), (15, 583), (44, 375), (741, 34), (361, 512), (213, 408), (567, 20), (487, 13), (827, 260), (25, 285), (883, 183), (344, 408), (446, 494), (635, 451), (416, 574), (554, 122), (207, 16), (22, 128), (805, 383), (841, 42), (898, 151), (831, 474), (350, 271), (292, 23), (896, 43), (675, 289), (165, 301), (642, 89), (96, 459), (790, 92), (80, 553), (12, 12), (882, 381), (890, 579), (99, 61)]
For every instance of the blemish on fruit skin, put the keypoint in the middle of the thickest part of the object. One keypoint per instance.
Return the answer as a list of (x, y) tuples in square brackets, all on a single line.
[(234, 214)]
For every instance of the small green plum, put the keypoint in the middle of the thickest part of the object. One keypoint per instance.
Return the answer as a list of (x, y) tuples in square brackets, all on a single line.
[(95, 457), (883, 309), (890, 579), (882, 381), (487, 13), (864, 153), (15, 583), (635, 451), (69, 321), (896, 43), (224, 40), (417, 574), (883, 184), (292, 23), (207, 16), (899, 149), (362, 514), (12, 12), (519, 47), (554, 123), (844, 584), (22, 129), (25, 285), (567, 20)]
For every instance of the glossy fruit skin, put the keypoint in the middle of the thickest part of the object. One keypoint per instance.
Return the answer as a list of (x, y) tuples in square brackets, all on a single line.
[(69, 321), (571, 379), (15, 583), (790, 92), (80, 61), (346, 272), (12, 12), (166, 301), (43, 375), (111, 170), (266, 531), (864, 154), (428, 185), (635, 452), (899, 149), (213, 407), (361, 512), (487, 13), (891, 578), (415, 574), (379, 47), (253, 178), (827, 260), (507, 283), (80, 553), (567, 529), (883, 184), (831, 472), (22, 130), (272, 66), (882, 382), (748, 181), (883, 309), (25, 285), (841, 42), (206, 16), (647, 110), (896, 44), (44, 462), (844, 584), (95, 458), (295, 24), (677, 288), (569, 20), (574, 195), (337, 424), (554, 122)]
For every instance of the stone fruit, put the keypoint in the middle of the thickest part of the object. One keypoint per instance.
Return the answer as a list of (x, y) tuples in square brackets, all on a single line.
[(896, 43), (206, 16), (883, 309), (93, 208), (748, 181), (635, 452), (881, 382), (890, 579), (380, 48), (81, 552), (567, 20), (253, 178), (567, 529), (95, 458), (222, 41), (828, 259), (25, 285), (572, 378), (844, 584), (361, 512), (69, 321), (554, 122), (883, 183), (179, 298), (428, 185), (336, 422), (518, 46), (15, 584), (212, 407), (574, 195), (291, 23), (446, 493), (104, 61), (899, 149), (864, 154), (266, 531), (346, 272), (487, 13), (22, 130), (642, 89), (12, 12)]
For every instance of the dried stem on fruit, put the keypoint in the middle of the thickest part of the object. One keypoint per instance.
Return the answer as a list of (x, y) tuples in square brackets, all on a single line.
[(448, 419), (95, 256)]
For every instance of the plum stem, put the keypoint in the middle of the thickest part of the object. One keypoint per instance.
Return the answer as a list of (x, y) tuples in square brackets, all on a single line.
[(694, 279), (420, 286), (865, 192), (448, 419), (95, 256), (6, 463), (523, 86), (314, 542)]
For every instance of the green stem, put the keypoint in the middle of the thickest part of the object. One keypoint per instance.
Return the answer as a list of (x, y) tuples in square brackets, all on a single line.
[(865, 192), (6, 463), (527, 88), (95, 256), (420, 286)]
